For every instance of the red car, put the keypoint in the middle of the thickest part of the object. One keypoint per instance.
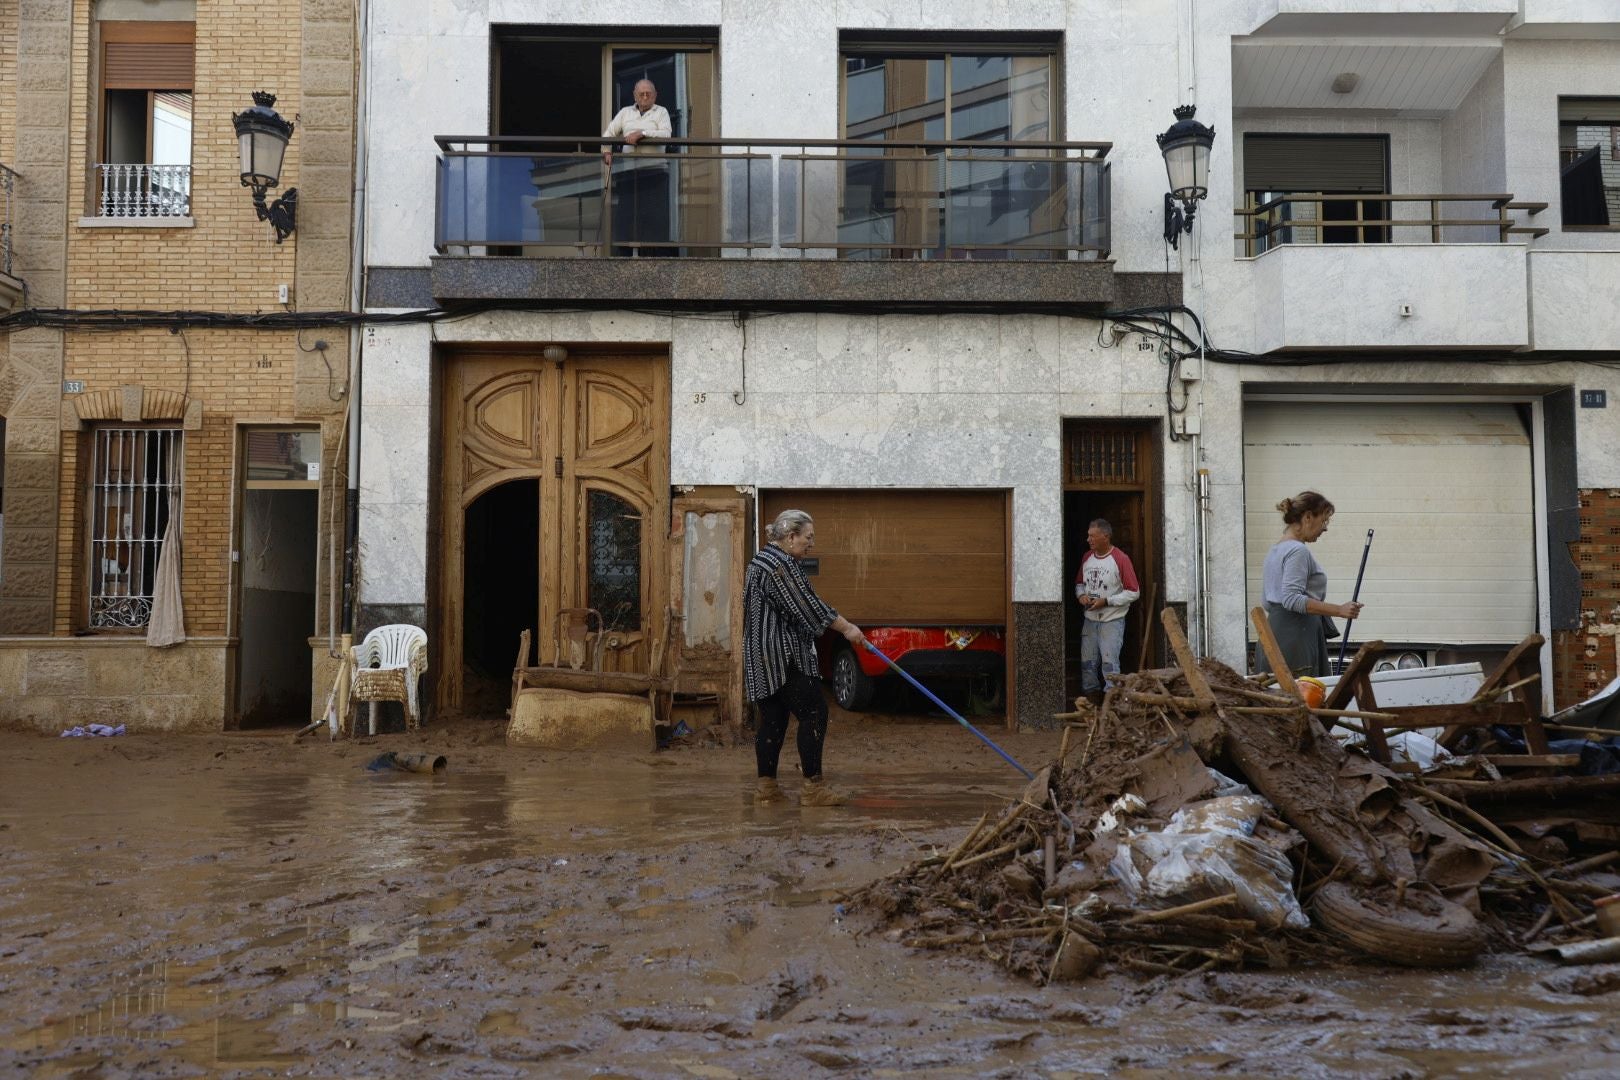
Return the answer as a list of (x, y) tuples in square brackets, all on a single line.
[(929, 653)]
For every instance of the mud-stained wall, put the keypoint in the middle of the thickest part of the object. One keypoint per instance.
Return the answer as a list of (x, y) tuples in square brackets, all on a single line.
[(55, 684)]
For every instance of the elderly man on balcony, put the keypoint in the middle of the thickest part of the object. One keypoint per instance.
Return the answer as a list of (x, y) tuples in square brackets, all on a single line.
[(640, 185)]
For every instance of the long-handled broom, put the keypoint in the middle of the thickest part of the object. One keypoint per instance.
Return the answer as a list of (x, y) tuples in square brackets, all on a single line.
[(949, 711)]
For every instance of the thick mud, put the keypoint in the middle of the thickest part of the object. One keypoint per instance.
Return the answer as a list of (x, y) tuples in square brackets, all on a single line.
[(233, 905)]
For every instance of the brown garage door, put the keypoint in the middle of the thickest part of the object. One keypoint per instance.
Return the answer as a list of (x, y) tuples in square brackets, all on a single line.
[(897, 557)]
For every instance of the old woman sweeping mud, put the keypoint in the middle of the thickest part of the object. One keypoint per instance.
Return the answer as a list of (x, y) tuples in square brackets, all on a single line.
[(783, 619)]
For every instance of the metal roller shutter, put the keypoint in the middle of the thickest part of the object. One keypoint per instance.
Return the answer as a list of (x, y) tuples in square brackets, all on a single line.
[(1328, 163), (1449, 489)]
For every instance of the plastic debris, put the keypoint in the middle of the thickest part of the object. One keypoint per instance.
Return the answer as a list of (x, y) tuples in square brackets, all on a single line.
[(91, 731)]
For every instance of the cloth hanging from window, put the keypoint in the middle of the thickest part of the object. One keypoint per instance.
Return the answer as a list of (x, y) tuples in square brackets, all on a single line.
[(168, 622)]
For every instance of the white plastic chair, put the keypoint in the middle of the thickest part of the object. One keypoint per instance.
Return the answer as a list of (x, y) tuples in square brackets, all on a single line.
[(388, 665)]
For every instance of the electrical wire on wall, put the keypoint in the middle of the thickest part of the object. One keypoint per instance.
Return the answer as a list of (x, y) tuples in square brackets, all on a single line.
[(740, 396)]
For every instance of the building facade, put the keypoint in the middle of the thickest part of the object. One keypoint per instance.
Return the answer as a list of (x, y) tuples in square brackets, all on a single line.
[(861, 292), (924, 287), (172, 423)]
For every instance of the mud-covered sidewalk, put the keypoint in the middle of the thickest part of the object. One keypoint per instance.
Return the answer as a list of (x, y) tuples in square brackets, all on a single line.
[(237, 905)]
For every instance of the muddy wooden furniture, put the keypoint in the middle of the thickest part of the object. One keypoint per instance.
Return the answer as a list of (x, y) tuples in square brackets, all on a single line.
[(387, 666), (577, 664), (1509, 697)]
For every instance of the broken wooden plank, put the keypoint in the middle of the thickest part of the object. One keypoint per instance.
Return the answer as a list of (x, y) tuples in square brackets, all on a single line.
[(1344, 690), (1273, 651), (1534, 761), (1199, 685)]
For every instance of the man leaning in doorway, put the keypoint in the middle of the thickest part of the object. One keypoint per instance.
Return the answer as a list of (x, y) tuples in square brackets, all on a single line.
[(641, 182), (1106, 587)]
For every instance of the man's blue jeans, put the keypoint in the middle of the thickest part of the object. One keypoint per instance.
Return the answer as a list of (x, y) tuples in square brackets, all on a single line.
[(1100, 643)]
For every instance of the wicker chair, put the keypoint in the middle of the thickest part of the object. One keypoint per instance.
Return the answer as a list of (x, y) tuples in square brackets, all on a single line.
[(387, 666)]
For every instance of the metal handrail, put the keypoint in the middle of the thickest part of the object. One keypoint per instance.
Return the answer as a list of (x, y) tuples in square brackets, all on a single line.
[(1502, 222), (8, 187), (775, 180), (448, 142)]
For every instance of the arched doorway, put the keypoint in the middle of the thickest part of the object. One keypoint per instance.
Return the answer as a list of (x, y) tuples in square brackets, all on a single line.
[(572, 457), (501, 589)]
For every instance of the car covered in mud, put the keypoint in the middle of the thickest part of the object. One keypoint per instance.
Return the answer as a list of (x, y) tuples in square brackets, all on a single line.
[(969, 659)]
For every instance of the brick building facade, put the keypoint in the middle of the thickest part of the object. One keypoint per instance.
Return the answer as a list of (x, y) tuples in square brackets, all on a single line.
[(100, 225)]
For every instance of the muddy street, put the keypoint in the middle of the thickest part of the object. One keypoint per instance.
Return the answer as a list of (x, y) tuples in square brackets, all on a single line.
[(234, 905)]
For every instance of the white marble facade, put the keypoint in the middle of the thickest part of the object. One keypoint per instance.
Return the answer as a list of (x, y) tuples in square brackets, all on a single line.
[(955, 400)]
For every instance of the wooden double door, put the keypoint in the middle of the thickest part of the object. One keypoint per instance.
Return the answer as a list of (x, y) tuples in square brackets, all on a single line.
[(554, 494)]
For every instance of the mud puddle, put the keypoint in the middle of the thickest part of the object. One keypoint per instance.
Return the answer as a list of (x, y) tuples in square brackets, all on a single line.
[(212, 906)]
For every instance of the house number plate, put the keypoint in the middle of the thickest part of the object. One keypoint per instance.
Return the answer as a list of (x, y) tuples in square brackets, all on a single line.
[(1594, 399), (72, 386)]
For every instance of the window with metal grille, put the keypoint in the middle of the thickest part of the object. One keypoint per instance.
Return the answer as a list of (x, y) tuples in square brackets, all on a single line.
[(1105, 456), (134, 484), (614, 584)]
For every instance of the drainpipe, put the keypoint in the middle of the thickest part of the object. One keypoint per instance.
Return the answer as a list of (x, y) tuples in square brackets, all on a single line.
[(1203, 554), (357, 270)]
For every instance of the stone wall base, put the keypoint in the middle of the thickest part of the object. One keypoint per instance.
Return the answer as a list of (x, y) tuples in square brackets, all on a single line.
[(51, 684)]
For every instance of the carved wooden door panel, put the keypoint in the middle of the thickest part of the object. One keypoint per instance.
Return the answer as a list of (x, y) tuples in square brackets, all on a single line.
[(615, 500), (594, 433)]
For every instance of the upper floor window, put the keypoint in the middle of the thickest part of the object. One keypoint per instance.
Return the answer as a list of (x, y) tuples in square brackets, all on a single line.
[(1314, 189), (144, 163), (902, 200), (1589, 161)]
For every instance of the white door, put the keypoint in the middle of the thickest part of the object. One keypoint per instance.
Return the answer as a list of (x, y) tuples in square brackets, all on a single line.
[(1448, 489)]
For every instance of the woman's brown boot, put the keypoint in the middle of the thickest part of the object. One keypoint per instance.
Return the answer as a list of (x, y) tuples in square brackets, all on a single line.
[(767, 792), (816, 792)]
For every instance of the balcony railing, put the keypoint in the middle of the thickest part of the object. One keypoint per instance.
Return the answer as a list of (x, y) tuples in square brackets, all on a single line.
[(732, 197), (8, 188), (1306, 217), (144, 191)]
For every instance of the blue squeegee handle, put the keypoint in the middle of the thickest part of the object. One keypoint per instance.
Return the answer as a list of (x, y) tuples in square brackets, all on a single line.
[(906, 675)]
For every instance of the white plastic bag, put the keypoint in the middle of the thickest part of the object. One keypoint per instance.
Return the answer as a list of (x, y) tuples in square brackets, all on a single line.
[(1209, 849)]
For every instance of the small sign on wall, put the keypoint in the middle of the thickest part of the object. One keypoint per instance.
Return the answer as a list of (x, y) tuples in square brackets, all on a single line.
[(76, 386), (1594, 399)]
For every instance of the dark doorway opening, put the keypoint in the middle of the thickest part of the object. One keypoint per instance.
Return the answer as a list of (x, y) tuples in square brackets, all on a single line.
[(280, 540), (1112, 472), (501, 594)]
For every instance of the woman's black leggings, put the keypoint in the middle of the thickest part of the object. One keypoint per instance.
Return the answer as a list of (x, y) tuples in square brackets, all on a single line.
[(801, 696)]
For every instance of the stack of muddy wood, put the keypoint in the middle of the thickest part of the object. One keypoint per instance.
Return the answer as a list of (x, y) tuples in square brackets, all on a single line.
[(1197, 820)]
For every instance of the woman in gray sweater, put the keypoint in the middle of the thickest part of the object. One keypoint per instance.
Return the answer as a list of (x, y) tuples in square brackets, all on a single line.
[(1294, 588)]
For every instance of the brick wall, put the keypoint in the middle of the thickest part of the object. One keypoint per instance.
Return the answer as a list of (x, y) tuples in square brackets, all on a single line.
[(1585, 660), (210, 381)]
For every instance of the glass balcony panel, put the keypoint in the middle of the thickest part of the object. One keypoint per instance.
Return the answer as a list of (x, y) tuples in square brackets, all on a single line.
[(834, 200)]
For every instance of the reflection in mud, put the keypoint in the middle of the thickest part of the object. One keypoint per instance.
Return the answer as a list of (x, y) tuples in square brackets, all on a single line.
[(258, 907)]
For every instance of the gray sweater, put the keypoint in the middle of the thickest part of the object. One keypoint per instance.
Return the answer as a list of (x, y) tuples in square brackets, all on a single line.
[(1292, 575)]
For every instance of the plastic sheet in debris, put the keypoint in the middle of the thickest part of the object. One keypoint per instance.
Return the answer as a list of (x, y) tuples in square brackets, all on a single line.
[(1209, 849)]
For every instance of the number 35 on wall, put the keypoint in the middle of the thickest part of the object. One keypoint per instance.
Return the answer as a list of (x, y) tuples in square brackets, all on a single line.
[(699, 399)]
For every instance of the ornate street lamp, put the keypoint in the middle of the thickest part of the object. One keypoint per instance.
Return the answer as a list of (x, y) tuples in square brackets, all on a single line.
[(262, 135), (1185, 147)]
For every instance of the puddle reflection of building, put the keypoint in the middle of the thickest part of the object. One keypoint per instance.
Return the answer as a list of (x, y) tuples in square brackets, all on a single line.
[(198, 998)]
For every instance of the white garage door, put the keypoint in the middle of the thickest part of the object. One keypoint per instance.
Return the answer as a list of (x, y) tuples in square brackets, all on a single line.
[(1448, 489)]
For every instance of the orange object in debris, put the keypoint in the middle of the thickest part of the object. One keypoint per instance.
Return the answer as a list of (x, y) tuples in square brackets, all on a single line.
[(1314, 691)]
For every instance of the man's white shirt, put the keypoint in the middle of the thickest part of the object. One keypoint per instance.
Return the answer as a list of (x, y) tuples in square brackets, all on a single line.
[(654, 123)]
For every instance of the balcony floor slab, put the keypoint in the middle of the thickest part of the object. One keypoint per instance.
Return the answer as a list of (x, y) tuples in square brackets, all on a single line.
[(1072, 288)]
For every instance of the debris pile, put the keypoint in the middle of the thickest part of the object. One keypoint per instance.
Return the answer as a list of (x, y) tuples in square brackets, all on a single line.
[(1197, 820)]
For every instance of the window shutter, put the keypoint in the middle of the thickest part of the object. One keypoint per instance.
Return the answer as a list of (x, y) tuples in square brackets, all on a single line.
[(146, 66), (1325, 163), (1589, 110), (147, 55)]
